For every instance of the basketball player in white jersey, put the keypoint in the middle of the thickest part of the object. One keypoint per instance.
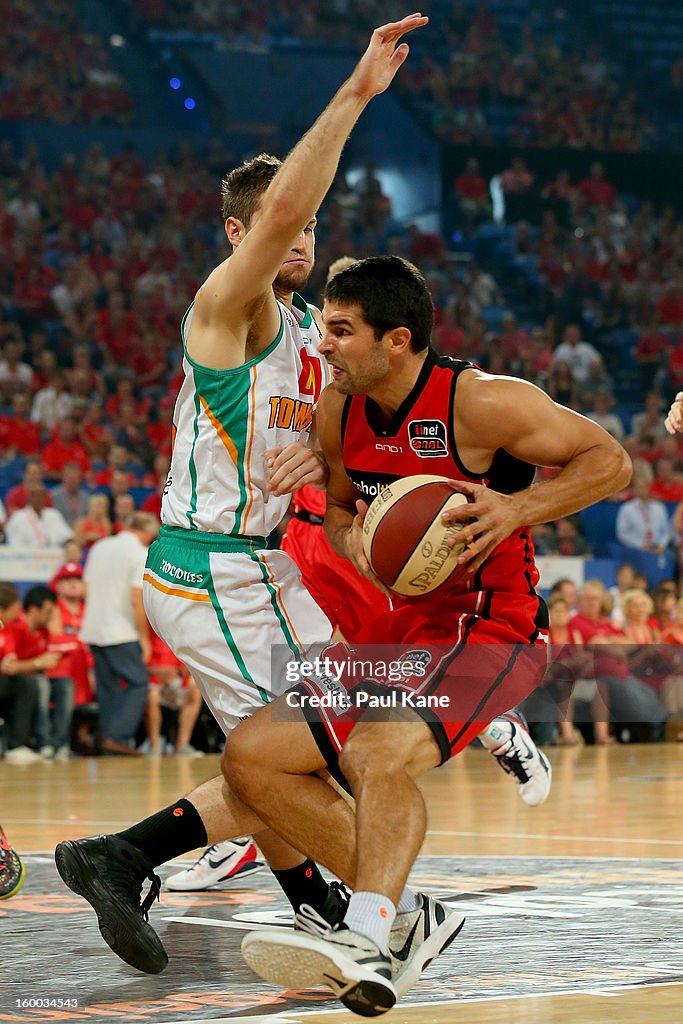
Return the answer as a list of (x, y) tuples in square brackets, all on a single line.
[(212, 590)]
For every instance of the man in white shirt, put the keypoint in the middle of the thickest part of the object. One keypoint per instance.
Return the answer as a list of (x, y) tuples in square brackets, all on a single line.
[(643, 522), (35, 525), (576, 352), (53, 403), (116, 628)]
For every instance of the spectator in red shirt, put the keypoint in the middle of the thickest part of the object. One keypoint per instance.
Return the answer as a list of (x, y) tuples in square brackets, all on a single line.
[(152, 502), (595, 189), (97, 437), (668, 482), (18, 434), (124, 508), (26, 652), (116, 327), (18, 691), (630, 700), (65, 626), (651, 352), (473, 193), (670, 305), (17, 497), (118, 459), (160, 433), (65, 447)]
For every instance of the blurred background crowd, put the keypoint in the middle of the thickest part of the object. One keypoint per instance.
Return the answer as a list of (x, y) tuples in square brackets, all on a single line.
[(526, 161)]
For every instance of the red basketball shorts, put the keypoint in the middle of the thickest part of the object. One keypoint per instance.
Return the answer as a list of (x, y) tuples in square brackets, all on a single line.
[(347, 598), (458, 663)]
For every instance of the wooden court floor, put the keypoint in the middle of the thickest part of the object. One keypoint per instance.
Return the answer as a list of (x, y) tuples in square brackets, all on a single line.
[(574, 909)]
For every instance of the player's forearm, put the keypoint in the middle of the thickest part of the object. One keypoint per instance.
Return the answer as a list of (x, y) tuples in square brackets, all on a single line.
[(338, 522), (304, 179), (588, 478)]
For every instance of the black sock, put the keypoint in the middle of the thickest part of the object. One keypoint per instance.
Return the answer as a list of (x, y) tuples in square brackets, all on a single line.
[(165, 835), (304, 884)]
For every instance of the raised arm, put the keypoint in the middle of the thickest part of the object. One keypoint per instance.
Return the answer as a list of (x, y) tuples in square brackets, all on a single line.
[(502, 412), (240, 289)]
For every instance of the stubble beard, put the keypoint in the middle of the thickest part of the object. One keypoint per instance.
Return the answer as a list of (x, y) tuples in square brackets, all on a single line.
[(292, 279)]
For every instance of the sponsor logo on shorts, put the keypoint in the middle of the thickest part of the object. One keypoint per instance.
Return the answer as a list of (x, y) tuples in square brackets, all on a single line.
[(176, 573), (417, 660), (428, 438)]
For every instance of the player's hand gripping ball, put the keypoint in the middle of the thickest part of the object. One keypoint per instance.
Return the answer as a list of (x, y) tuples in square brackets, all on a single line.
[(405, 539)]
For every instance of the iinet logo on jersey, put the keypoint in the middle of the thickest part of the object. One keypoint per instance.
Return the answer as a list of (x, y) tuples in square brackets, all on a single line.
[(428, 438)]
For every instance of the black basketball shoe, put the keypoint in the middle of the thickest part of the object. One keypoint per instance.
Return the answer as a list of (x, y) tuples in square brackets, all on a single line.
[(108, 872), (11, 869)]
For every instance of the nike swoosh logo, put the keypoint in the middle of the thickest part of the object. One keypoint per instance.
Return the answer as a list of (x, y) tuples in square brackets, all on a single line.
[(218, 863), (402, 953)]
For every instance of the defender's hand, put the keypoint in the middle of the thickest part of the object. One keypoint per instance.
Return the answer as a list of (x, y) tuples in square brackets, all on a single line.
[(375, 71), (674, 419), (488, 517), (293, 467)]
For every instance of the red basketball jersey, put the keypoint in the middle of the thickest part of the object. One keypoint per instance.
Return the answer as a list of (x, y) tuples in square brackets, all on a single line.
[(421, 439)]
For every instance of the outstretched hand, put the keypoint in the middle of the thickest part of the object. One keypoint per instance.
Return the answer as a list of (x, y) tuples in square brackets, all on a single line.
[(375, 71), (674, 419), (487, 520)]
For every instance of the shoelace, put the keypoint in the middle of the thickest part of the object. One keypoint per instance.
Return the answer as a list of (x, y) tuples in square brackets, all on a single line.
[(512, 764), (152, 895), (342, 894), (307, 919)]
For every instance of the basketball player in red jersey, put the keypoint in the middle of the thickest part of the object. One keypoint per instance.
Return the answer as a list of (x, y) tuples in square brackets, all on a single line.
[(479, 634)]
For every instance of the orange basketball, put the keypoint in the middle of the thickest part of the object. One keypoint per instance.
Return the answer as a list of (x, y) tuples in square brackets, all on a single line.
[(404, 538)]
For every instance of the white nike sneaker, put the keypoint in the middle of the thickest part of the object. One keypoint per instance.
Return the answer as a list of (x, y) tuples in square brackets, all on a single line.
[(417, 937), (353, 967), (221, 862), (518, 755)]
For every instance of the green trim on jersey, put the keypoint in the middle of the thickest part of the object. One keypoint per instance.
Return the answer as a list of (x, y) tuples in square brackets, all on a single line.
[(291, 642), (300, 303), (192, 466), (213, 541), (234, 649), (235, 369)]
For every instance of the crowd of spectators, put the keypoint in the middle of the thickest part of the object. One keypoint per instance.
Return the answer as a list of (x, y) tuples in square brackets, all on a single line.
[(616, 662), (52, 69), (476, 77)]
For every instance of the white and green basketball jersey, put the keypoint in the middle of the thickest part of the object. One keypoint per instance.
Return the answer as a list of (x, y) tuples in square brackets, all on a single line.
[(226, 420)]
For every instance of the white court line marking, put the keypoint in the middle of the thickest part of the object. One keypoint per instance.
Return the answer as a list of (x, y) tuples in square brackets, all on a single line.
[(555, 838), (61, 821), (49, 858), (294, 1016)]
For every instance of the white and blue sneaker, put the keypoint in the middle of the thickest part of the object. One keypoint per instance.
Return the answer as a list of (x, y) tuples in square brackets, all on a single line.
[(417, 937), (222, 862), (353, 967), (507, 739)]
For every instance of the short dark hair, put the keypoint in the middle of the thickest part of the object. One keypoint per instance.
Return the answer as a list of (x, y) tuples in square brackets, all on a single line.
[(391, 292), (243, 187), (9, 595), (37, 596)]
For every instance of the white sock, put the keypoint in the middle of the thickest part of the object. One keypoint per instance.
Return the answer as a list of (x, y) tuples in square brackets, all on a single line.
[(497, 733), (372, 915), (408, 902)]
